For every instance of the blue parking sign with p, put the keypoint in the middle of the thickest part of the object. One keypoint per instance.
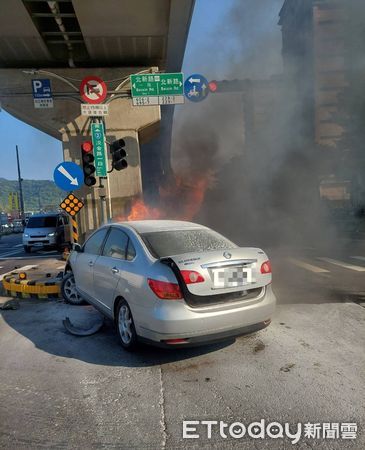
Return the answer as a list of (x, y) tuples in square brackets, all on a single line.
[(41, 88)]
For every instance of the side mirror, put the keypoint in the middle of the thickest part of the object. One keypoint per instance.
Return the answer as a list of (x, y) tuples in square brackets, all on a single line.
[(77, 248)]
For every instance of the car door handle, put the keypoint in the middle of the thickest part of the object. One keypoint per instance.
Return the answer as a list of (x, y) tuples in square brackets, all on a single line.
[(91, 263), (115, 270)]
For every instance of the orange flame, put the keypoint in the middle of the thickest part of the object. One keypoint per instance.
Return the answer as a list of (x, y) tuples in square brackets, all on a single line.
[(141, 211), (181, 200)]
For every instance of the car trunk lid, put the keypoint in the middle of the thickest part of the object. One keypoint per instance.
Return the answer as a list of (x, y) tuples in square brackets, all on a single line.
[(225, 275)]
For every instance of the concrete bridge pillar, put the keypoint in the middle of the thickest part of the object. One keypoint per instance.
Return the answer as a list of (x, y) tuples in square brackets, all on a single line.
[(137, 125), (133, 124)]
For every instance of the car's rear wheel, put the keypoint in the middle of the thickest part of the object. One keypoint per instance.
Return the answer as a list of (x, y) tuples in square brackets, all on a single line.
[(125, 326), (69, 292)]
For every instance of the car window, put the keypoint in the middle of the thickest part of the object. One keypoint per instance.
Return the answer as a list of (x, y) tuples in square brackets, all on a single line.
[(42, 222), (94, 243), (177, 242), (116, 244), (131, 251)]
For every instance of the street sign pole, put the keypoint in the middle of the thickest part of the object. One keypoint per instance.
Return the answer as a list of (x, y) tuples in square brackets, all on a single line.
[(102, 202)]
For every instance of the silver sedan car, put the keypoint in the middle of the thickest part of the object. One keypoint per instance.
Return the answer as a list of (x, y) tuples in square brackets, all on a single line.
[(171, 283)]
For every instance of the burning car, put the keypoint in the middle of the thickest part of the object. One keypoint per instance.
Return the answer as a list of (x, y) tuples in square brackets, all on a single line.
[(171, 283)]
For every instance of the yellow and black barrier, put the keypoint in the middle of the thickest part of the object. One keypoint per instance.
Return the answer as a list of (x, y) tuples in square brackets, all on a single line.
[(31, 288), (75, 231)]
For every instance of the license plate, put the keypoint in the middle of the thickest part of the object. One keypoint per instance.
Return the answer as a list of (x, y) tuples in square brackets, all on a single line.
[(38, 244), (229, 277)]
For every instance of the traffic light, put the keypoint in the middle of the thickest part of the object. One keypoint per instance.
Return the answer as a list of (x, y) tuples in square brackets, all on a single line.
[(213, 86), (228, 86), (119, 154), (87, 163)]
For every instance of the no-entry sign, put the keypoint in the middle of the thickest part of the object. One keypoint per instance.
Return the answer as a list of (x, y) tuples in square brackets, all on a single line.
[(93, 90)]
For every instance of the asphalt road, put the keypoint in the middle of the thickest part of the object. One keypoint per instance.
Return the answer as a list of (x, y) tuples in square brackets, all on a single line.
[(12, 253), (61, 391)]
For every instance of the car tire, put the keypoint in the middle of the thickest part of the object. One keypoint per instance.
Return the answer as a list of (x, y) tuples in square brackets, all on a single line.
[(27, 248), (125, 327), (68, 290)]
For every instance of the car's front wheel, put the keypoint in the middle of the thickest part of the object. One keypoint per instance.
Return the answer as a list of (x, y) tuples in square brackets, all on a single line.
[(27, 248), (69, 292), (125, 326)]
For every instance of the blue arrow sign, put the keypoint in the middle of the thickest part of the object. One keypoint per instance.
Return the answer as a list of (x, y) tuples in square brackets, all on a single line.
[(68, 176), (196, 88)]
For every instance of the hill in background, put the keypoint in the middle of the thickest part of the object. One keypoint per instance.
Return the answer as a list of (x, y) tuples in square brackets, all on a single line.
[(38, 194)]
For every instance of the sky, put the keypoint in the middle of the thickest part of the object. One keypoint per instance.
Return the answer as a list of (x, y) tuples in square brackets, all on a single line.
[(38, 153), (214, 29), (234, 39), (208, 16)]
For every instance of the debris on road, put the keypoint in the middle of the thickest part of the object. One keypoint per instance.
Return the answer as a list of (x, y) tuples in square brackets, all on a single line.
[(77, 331), (287, 368), (9, 304)]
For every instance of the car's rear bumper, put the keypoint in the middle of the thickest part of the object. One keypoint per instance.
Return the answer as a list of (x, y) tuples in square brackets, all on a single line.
[(176, 320), (209, 338)]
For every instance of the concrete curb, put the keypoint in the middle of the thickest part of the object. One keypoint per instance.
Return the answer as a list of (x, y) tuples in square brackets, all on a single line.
[(31, 288)]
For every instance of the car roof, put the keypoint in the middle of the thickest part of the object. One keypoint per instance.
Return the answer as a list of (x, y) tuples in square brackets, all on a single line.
[(46, 215), (149, 226)]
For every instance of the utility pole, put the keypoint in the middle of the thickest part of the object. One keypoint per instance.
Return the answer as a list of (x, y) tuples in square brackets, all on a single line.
[(20, 185), (39, 199)]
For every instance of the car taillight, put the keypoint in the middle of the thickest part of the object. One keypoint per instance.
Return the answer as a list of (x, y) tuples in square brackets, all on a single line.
[(191, 277), (165, 290), (176, 341), (266, 267)]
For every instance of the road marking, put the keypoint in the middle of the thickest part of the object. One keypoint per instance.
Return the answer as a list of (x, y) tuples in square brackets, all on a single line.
[(30, 266), (27, 257), (2, 255), (343, 264), (21, 269), (360, 258), (307, 266), (60, 267), (18, 245)]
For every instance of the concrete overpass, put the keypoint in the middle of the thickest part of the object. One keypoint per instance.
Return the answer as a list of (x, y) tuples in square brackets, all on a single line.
[(112, 39)]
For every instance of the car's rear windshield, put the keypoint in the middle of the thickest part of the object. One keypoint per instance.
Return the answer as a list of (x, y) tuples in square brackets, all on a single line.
[(42, 222), (178, 242)]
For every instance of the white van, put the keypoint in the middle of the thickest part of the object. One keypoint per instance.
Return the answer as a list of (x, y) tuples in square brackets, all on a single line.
[(47, 231)]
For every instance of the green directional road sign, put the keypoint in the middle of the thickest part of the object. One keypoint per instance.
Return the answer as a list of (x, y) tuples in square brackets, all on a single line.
[(157, 89), (98, 139)]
